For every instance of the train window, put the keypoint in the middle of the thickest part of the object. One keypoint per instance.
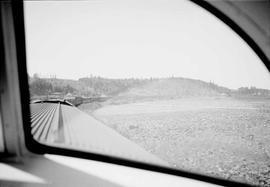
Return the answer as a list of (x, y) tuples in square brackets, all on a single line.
[(160, 82)]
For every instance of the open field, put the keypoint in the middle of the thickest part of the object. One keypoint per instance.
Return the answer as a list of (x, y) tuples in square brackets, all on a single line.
[(223, 137)]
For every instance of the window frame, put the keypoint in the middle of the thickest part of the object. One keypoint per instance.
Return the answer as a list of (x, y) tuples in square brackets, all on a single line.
[(35, 147)]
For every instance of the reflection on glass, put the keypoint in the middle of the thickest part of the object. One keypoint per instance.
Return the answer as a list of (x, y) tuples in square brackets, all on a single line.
[(162, 82)]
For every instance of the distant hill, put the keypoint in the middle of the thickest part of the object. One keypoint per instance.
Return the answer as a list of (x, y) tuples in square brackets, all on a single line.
[(110, 87), (129, 90), (172, 88), (87, 86)]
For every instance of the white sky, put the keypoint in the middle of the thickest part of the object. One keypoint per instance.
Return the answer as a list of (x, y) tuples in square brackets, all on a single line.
[(138, 38)]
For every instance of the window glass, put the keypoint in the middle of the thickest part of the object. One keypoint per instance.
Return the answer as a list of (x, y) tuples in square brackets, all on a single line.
[(162, 82)]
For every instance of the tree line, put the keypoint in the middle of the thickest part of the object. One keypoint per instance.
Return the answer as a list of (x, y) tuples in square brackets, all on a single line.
[(96, 86), (41, 86)]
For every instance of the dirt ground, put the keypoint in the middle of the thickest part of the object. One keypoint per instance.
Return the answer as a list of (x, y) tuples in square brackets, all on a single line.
[(221, 137)]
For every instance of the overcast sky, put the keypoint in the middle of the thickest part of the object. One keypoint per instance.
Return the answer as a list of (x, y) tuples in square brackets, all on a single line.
[(138, 38)]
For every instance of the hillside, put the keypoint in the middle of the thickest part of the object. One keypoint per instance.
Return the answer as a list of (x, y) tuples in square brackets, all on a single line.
[(175, 87), (171, 88), (83, 87), (130, 90)]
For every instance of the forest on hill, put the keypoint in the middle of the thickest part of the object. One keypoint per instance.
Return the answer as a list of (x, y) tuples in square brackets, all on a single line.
[(173, 87)]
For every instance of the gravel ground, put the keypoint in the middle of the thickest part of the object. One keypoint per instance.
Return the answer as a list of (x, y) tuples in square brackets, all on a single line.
[(219, 137)]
